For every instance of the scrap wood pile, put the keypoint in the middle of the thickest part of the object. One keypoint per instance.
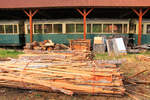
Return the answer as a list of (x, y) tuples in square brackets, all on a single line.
[(45, 45), (143, 47), (137, 85), (69, 73)]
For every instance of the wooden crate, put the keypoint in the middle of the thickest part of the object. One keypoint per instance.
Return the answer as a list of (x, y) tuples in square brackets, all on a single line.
[(80, 45)]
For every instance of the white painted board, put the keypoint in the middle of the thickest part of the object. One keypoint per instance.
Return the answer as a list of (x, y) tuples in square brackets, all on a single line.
[(120, 45)]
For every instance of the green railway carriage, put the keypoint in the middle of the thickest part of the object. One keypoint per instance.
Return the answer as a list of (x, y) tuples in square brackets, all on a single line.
[(62, 30), (11, 32), (16, 32)]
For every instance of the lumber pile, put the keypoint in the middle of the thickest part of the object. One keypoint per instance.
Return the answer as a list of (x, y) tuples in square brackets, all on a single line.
[(45, 45), (143, 47), (70, 73)]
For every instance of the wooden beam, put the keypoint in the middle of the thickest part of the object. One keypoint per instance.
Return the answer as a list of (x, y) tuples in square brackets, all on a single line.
[(135, 11), (80, 12), (145, 11), (26, 13), (89, 11), (34, 12)]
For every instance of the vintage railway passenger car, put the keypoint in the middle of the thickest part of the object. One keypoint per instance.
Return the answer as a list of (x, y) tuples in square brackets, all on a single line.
[(16, 32)]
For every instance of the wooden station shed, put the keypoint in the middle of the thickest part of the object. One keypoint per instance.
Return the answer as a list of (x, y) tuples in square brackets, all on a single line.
[(23, 21)]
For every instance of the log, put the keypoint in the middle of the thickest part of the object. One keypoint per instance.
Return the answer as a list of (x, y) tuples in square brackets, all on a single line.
[(137, 74), (142, 82)]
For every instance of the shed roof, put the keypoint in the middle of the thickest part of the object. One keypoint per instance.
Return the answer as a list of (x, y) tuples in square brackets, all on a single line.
[(72, 3)]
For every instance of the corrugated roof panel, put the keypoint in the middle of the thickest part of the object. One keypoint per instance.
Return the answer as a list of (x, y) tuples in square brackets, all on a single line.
[(72, 3)]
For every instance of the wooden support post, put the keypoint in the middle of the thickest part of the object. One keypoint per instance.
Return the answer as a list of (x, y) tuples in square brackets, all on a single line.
[(140, 27), (84, 20), (84, 14), (30, 14), (31, 26), (140, 14)]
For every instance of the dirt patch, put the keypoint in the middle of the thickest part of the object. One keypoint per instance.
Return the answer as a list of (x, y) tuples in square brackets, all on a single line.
[(18, 94)]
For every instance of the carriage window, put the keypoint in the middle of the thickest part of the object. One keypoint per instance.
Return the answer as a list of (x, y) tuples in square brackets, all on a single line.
[(79, 27), (148, 28), (107, 28), (9, 28), (28, 29), (37, 28), (57, 28), (117, 28), (133, 28), (15, 28), (97, 28), (88, 28), (47, 28), (125, 28), (70, 28), (1, 28)]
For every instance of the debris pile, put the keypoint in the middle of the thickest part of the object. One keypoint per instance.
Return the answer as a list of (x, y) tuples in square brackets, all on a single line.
[(136, 85), (45, 45), (143, 47), (68, 72)]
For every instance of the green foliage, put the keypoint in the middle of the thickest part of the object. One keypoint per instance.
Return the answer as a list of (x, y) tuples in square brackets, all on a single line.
[(105, 56), (9, 53), (37, 95), (146, 53)]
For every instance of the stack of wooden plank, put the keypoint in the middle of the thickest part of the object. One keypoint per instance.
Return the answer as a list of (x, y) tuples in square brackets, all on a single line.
[(62, 72)]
